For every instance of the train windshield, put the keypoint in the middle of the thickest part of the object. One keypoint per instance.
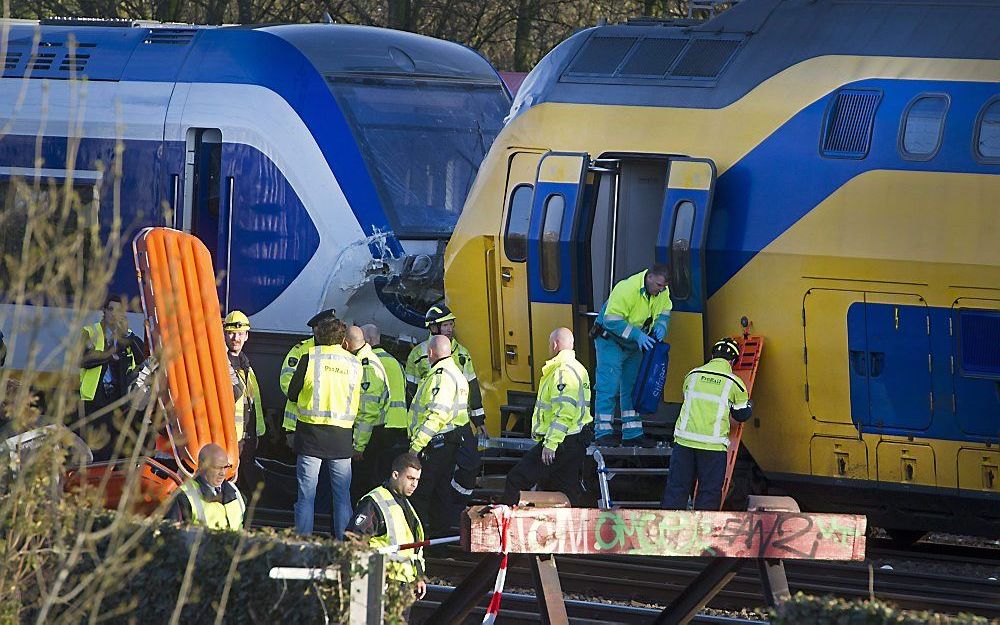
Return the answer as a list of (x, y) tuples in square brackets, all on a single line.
[(423, 141)]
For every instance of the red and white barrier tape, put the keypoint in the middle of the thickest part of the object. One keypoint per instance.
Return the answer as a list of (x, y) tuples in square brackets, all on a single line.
[(422, 543), (503, 514)]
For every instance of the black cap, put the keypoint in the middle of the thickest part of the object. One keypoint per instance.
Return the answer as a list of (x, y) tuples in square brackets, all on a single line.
[(322, 315)]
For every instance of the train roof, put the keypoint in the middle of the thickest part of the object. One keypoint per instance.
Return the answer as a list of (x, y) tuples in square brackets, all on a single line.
[(712, 64), (103, 49)]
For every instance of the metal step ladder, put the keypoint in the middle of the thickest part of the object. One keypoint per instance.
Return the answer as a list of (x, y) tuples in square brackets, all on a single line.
[(618, 456)]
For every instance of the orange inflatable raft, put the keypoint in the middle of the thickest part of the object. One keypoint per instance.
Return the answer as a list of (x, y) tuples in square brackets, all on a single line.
[(184, 328)]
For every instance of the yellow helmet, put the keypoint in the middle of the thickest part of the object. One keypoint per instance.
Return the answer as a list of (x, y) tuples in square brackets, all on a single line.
[(236, 321)]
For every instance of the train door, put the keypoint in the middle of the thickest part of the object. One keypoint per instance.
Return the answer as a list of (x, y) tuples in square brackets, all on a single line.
[(513, 269), (208, 196), (553, 237), (890, 365), (681, 242)]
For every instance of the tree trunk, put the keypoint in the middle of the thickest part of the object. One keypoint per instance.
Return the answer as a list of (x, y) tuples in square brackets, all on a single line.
[(527, 11), (399, 14)]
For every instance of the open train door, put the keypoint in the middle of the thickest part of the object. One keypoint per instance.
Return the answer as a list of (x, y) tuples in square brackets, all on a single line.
[(553, 243), (687, 207)]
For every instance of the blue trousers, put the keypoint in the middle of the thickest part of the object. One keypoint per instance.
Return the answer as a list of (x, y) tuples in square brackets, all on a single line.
[(687, 465), (307, 470), (617, 369)]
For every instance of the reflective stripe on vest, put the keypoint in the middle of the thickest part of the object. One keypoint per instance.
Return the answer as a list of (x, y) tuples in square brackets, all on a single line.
[(401, 565), (214, 514), (90, 378)]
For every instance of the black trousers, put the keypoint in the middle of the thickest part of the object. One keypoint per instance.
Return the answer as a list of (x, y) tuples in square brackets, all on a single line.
[(376, 463), (106, 425), (562, 475), (686, 466), (434, 499)]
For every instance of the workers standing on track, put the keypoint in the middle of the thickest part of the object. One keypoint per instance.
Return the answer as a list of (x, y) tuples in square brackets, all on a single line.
[(327, 388), (701, 436), (635, 317), (439, 409), (288, 369), (111, 353), (558, 425), (376, 441), (387, 517), (249, 407), (440, 321), (208, 499)]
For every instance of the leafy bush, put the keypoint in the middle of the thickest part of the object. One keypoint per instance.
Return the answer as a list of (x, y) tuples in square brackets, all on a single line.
[(802, 609), (174, 574)]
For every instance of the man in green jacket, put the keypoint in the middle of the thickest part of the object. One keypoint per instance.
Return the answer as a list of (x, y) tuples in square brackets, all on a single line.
[(558, 425), (438, 412), (635, 317)]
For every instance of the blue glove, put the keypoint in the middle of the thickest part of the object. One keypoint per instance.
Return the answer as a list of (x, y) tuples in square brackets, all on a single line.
[(658, 332), (644, 341)]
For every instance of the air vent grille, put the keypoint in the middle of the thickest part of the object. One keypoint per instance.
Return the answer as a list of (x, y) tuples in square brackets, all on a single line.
[(980, 334), (74, 63), (849, 123), (41, 61), (643, 60), (601, 55), (653, 57), (169, 36), (12, 60), (705, 58)]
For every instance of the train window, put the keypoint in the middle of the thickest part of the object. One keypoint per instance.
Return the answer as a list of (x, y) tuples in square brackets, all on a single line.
[(923, 126), (422, 143), (555, 206), (515, 241), (680, 250), (988, 132), (57, 218)]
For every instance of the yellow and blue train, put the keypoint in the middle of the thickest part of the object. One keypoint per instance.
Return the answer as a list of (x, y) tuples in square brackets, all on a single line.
[(828, 169)]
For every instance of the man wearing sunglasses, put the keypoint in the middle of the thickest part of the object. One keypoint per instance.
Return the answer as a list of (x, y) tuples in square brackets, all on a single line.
[(208, 499)]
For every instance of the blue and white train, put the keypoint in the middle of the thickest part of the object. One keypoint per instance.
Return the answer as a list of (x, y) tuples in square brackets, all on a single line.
[(323, 165)]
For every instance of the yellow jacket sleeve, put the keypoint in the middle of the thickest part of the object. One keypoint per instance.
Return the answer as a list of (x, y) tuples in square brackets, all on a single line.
[(565, 404), (437, 410)]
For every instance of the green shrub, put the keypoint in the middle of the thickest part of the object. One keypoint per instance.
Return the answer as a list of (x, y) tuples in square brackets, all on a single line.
[(804, 609), (169, 568)]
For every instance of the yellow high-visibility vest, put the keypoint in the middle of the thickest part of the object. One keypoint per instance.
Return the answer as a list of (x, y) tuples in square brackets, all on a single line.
[(440, 405), (214, 514), (331, 390), (395, 416), (709, 393), (288, 366), (401, 566), (91, 377), (563, 404)]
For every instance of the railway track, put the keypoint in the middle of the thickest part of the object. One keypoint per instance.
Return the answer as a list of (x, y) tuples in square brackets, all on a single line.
[(916, 580), (658, 580), (522, 609)]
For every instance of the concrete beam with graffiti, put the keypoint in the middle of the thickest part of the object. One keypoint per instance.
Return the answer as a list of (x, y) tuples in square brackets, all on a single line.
[(779, 535)]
